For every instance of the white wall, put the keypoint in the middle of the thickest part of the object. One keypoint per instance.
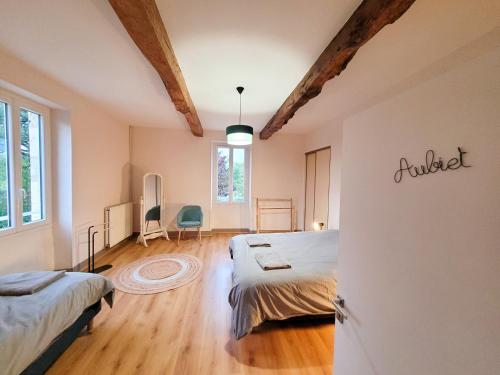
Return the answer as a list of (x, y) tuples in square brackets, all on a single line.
[(185, 163), (279, 172), (62, 188), (101, 172), (27, 251), (100, 166), (330, 134), (419, 265)]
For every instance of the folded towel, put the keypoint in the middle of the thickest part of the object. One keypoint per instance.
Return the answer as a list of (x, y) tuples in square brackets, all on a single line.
[(271, 261), (258, 242), (19, 284)]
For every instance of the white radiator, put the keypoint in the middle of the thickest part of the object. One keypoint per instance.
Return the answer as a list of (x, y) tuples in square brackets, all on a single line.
[(117, 223)]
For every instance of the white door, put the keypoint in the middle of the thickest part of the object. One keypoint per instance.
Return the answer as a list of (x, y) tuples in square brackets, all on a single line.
[(419, 260)]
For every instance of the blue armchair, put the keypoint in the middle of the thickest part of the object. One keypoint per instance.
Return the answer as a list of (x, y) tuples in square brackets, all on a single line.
[(189, 217)]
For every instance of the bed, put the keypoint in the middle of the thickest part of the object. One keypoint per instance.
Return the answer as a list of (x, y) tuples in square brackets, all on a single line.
[(307, 288), (35, 329)]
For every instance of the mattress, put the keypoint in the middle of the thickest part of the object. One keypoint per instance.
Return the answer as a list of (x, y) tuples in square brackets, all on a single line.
[(307, 288), (29, 323)]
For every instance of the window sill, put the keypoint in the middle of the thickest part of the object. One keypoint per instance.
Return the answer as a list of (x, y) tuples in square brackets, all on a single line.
[(231, 203)]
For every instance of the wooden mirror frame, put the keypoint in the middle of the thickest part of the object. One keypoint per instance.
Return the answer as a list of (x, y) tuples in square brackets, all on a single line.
[(157, 232)]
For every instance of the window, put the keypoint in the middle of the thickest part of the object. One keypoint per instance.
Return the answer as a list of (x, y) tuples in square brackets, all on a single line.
[(223, 154), (5, 209), (238, 174), (22, 163), (31, 170), (231, 173)]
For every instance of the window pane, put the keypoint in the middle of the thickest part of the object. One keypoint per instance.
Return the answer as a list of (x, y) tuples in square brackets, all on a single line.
[(31, 172), (223, 174), (238, 174), (5, 211)]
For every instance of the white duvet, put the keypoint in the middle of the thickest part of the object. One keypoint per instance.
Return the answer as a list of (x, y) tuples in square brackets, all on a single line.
[(307, 288), (29, 323)]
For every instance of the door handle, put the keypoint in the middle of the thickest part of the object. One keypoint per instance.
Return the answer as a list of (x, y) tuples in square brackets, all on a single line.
[(340, 313)]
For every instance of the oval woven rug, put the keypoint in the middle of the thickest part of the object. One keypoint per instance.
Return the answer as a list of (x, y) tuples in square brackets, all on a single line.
[(157, 273)]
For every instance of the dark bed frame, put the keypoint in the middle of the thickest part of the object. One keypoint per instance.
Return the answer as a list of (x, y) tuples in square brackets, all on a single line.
[(63, 341)]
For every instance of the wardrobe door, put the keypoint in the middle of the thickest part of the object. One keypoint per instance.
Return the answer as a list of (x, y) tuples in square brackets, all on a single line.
[(310, 191), (317, 189), (322, 187)]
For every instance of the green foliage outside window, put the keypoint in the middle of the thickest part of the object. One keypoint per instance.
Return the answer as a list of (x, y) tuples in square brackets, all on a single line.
[(4, 193), (25, 163), (238, 180)]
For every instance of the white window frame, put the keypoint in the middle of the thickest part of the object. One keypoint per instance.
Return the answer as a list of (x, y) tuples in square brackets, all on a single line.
[(14, 104), (248, 177)]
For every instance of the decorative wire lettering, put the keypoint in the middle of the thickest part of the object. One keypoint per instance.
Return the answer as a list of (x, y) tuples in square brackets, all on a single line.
[(431, 165)]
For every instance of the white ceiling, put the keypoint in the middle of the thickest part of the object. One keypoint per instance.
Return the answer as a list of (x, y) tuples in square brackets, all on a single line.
[(265, 45), (430, 37), (83, 45), (220, 44)]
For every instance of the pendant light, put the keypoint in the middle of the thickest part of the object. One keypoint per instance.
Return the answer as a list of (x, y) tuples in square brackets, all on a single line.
[(239, 135)]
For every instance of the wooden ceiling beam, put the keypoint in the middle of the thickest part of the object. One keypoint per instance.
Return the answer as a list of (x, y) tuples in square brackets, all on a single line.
[(366, 21), (143, 23)]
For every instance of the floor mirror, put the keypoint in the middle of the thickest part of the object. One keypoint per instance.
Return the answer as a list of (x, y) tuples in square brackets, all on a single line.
[(152, 207)]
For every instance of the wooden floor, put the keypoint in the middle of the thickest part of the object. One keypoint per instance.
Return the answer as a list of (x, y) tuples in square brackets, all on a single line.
[(187, 330)]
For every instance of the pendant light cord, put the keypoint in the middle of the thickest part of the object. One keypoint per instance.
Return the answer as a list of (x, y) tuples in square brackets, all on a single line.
[(239, 122)]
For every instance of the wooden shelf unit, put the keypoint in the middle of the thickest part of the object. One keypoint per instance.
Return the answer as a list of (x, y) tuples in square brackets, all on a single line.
[(261, 209)]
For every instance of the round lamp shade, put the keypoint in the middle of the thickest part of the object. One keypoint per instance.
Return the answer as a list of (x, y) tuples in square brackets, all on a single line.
[(239, 135)]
